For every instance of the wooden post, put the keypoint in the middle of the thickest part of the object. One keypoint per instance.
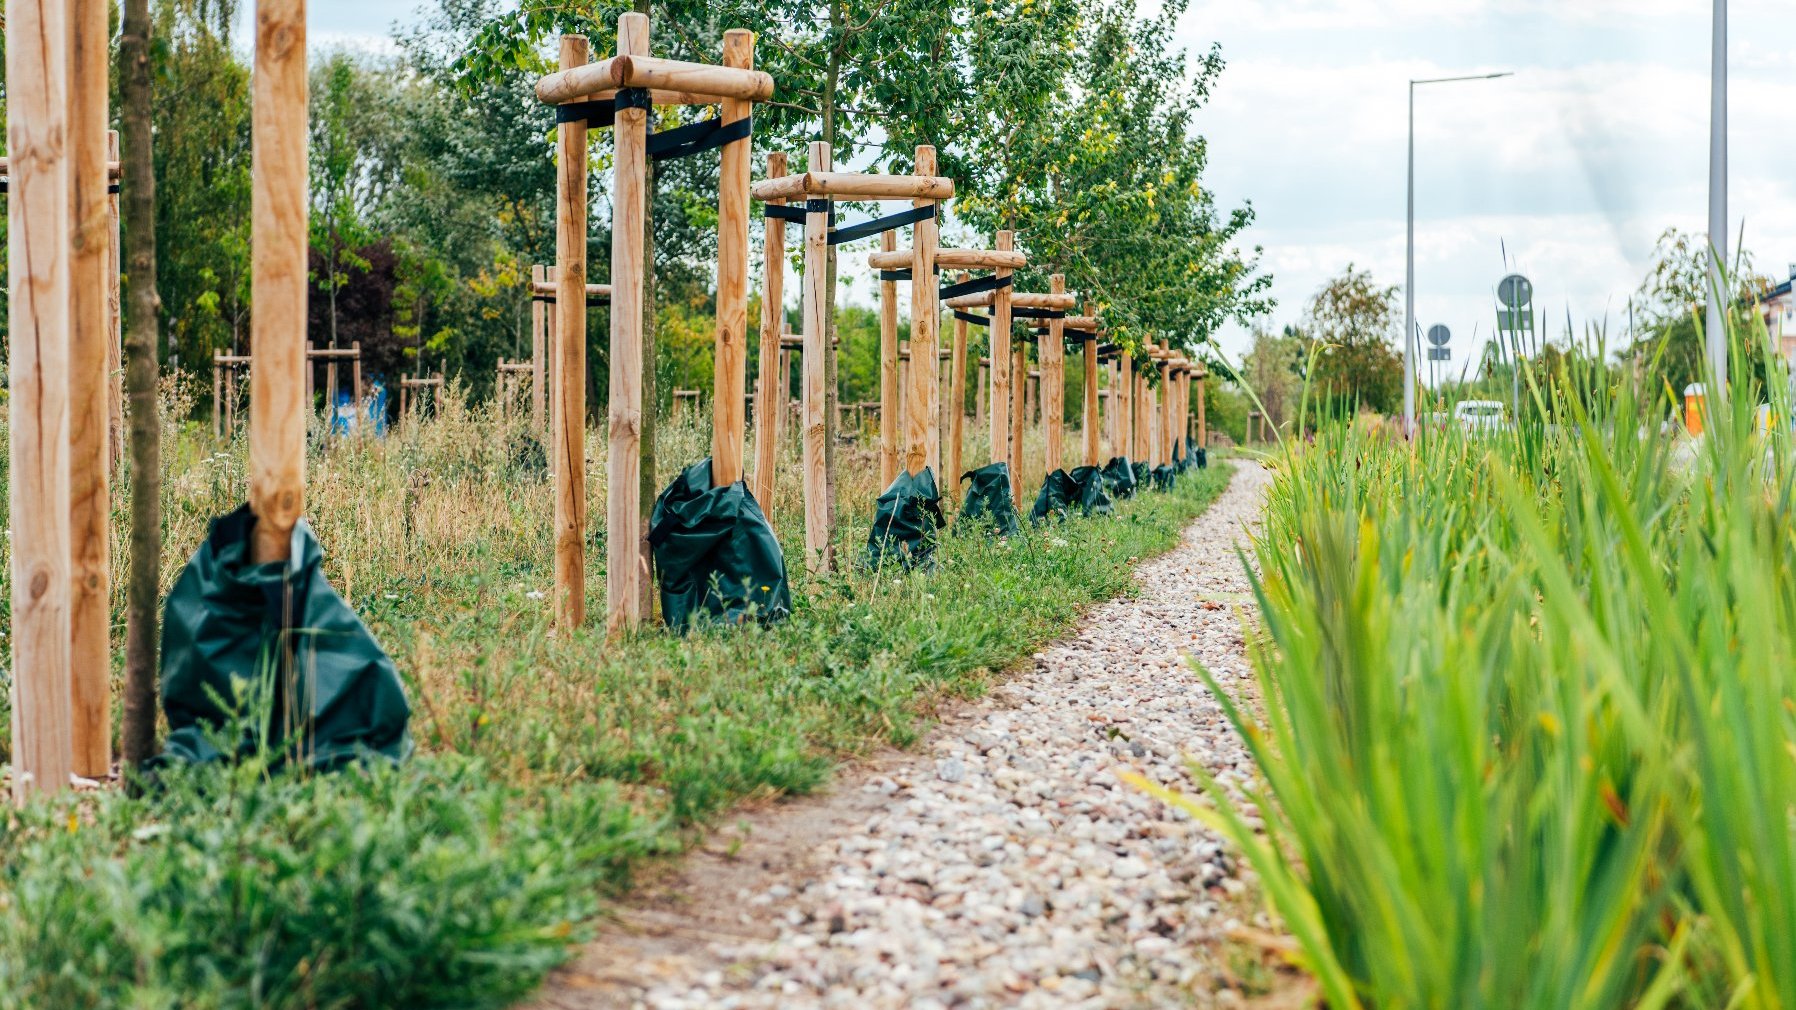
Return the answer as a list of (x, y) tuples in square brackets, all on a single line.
[(1089, 406), (888, 371), (1000, 354), (624, 576), (770, 394), (309, 369), (1203, 429), (904, 370), (330, 388), (231, 398), (1123, 402), (730, 368), (356, 383), (922, 414), (1141, 408), (787, 403), (278, 263), (1168, 384), (1053, 380), (957, 398), (538, 349), (817, 554), (38, 272), (217, 397), (93, 385), (1019, 383), (568, 404), (115, 349), (981, 387)]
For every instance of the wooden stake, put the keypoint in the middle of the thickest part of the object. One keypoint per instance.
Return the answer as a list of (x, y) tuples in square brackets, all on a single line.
[(922, 415), (1001, 364), (1203, 429), (1141, 408), (981, 386), (1019, 383), (356, 384), (888, 371), (957, 398), (816, 345), (770, 394), (93, 342), (38, 253), (1053, 380), (278, 264), (115, 350), (624, 577), (538, 349), (217, 397), (568, 404), (1123, 403), (1089, 406), (730, 371)]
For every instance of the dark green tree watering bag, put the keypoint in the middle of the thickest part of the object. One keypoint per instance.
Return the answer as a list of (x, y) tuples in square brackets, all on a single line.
[(905, 520), (716, 553), (1142, 474), (1119, 477), (1091, 497), (1058, 493), (987, 504), (276, 641), (1164, 476)]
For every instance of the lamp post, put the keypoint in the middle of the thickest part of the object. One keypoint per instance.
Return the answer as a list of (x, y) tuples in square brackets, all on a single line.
[(1716, 329), (1409, 271)]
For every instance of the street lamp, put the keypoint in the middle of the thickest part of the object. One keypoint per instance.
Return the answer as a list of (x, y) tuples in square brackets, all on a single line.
[(1718, 286), (1409, 278)]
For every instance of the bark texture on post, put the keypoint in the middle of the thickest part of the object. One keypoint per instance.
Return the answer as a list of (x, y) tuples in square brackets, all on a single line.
[(568, 404), (923, 400), (1019, 382), (888, 371), (91, 342), (38, 363), (624, 573), (137, 732), (1053, 380), (278, 264), (730, 371), (770, 396), (957, 398), (1089, 408), (999, 339), (115, 347), (1122, 403), (817, 554), (538, 349)]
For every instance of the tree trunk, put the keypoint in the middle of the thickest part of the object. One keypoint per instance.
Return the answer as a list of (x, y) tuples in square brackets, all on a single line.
[(139, 192)]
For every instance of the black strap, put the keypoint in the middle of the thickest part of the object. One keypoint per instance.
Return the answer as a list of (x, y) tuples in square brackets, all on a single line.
[(779, 210), (1027, 313), (695, 138), (974, 286), (879, 224), (591, 300), (973, 318), (895, 275), (602, 112)]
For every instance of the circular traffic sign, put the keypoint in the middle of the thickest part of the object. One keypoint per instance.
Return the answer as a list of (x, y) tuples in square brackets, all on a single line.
[(1438, 335), (1515, 291)]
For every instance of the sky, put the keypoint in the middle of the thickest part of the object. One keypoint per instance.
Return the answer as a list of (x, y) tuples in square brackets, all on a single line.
[(1572, 167)]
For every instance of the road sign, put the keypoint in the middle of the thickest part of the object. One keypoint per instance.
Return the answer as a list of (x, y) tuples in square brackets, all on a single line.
[(1438, 335), (1515, 291), (1440, 354)]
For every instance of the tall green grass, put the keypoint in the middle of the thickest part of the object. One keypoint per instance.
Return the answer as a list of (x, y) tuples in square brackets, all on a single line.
[(1525, 724)]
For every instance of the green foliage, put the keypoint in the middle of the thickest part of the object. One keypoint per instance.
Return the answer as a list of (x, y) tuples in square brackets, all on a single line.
[(1527, 728), (1355, 324)]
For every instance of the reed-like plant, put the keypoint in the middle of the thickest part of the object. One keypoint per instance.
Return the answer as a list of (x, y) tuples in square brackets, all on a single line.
[(1526, 726)]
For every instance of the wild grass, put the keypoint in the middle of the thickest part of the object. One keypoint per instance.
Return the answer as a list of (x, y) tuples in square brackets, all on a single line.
[(1528, 736), (551, 762)]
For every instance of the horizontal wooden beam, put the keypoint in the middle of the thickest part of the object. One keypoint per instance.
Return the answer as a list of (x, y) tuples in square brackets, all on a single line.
[(113, 168), (854, 186), (654, 73), (548, 289), (953, 259), (1018, 300)]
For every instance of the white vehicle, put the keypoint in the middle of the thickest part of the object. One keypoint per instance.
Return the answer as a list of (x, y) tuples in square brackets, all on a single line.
[(1475, 416)]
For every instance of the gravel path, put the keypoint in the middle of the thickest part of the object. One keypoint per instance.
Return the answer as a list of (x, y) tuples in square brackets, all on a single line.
[(1005, 864)]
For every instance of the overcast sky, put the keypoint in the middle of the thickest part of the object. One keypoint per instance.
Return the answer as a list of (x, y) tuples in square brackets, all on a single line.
[(1575, 165)]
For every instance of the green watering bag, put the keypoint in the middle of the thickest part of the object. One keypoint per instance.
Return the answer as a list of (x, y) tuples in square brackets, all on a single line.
[(1119, 477), (905, 520), (1091, 497), (716, 554), (1058, 493), (987, 504), (1164, 476), (271, 655)]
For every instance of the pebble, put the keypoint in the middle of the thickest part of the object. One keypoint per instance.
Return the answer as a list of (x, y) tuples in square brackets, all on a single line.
[(1025, 871)]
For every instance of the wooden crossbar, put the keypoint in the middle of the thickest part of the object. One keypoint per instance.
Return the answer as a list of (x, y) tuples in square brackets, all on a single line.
[(693, 80), (954, 259), (855, 186), (1019, 300)]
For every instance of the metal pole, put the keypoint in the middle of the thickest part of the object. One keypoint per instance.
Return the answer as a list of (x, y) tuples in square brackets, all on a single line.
[(1409, 283), (1716, 330)]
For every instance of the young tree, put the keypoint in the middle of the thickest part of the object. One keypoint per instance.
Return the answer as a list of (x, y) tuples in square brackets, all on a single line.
[(1672, 303), (1357, 321)]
